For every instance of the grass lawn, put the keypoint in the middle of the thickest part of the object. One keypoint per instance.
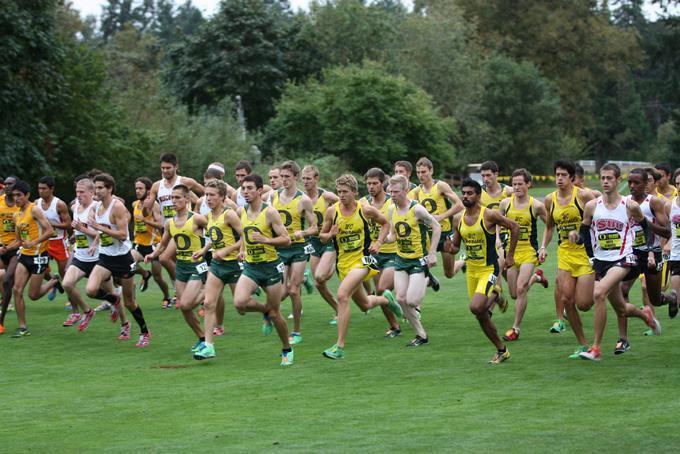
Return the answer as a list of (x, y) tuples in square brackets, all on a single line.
[(70, 391)]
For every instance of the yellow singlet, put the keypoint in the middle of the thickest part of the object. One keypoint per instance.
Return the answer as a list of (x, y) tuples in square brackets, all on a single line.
[(492, 203), (674, 194), (571, 257), (7, 218), (385, 248), (526, 219), (145, 235), (290, 215), (319, 208), (258, 252), (353, 238), (220, 235), (412, 238), (480, 244), (434, 203), (30, 230), (186, 240)]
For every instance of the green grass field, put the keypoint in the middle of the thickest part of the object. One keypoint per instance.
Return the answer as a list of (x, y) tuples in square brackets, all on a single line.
[(69, 391)]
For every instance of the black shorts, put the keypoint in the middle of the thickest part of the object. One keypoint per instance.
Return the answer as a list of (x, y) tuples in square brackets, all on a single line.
[(144, 250), (85, 267), (7, 257), (35, 264), (674, 266), (630, 263), (122, 266), (642, 262)]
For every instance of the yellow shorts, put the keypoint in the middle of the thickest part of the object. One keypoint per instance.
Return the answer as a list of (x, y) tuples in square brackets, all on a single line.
[(665, 275), (574, 262), (344, 268), (481, 280), (523, 256)]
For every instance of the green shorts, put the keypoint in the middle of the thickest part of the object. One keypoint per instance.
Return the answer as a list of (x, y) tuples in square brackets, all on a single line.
[(264, 274), (386, 260), (320, 248), (189, 271), (228, 271), (411, 266), (442, 239), (292, 254)]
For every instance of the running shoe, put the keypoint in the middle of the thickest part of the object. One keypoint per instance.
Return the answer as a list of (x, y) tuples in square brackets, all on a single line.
[(85, 321), (144, 282), (166, 303), (392, 333), (114, 309), (334, 352), (593, 354), (197, 348), (333, 321), (21, 332), (434, 282), (218, 331), (652, 322), (557, 327), (207, 352), (648, 332), (52, 294), (287, 358), (500, 356), (393, 305), (418, 341), (144, 339), (124, 332), (295, 339), (58, 285), (71, 320), (540, 278), (308, 282), (2, 329), (10, 307), (672, 299), (500, 299), (267, 325), (511, 335), (622, 346), (577, 353), (102, 307), (291, 316)]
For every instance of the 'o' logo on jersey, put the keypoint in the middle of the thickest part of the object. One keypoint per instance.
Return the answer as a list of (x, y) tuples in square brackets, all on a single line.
[(430, 205), (286, 217), (403, 229), (248, 232), (319, 218), (182, 241), (216, 236)]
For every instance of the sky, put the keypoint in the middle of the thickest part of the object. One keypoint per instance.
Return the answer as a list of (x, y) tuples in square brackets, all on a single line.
[(208, 7)]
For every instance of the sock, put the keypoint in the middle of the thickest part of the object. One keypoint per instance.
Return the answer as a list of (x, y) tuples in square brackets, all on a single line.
[(139, 317), (106, 296), (201, 339), (294, 333), (208, 344), (287, 350)]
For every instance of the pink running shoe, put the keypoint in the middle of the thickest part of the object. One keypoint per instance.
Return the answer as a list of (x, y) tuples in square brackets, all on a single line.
[(114, 310), (543, 281), (218, 331), (652, 322), (85, 321), (124, 332), (143, 340), (72, 319)]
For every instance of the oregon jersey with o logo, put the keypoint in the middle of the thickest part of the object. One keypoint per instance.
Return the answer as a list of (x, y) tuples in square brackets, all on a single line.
[(385, 248), (257, 252), (492, 203), (354, 236), (434, 202), (412, 238), (186, 240), (220, 235), (319, 209), (290, 214), (479, 242)]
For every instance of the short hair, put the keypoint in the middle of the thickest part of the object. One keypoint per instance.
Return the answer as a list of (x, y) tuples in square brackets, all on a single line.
[(675, 175), (82, 176), (612, 167), (405, 164), (170, 158), (87, 183), (522, 173), (664, 166), (470, 183), (220, 185), (579, 170), (146, 181), (375, 172), (254, 178), (349, 181), (107, 179), (399, 180), (566, 164), (243, 164), (653, 172), (424, 162), (214, 170), (291, 166), (640, 171), (489, 165), (182, 187), (311, 168), (93, 173), (22, 186), (47, 180)]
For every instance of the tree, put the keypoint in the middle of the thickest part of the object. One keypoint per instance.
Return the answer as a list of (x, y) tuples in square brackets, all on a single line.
[(171, 24), (362, 115), (117, 14)]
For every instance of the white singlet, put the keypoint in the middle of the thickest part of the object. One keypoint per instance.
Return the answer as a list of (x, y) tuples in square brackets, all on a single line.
[(52, 217), (165, 197), (84, 241), (109, 245), (610, 232), (639, 238), (675, 229)]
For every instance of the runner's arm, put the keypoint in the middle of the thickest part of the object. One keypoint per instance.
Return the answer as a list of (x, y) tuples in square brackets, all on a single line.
[(307, 211), (328, 230), (281, 239), (456, 205)]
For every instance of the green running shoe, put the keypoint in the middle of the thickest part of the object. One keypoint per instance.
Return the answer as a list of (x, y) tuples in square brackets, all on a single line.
[(334, 321), (557, 327), (295, 339), (577, 353), (197, 348), (393, 305), (648, 332), (207, 352), (287, 358), (267, 325), (334, 352), (21, 332), (308, 282)]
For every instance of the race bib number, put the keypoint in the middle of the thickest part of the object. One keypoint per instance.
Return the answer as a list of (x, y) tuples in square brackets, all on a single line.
[(350, 242), (8, 225), (280, 268), (609, 241), (105, 240), (523, 234), (202, 268), (81, 242), (640, 238), (140, 227), (475, 251), (240, 266), (565, 229), (309, 249), (423, 261), (369, 260), (41, 260), (168, 211), (631, 260), (492, 279)]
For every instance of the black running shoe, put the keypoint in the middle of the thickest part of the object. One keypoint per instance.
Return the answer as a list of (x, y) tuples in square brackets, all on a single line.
[(144, 283), (392, 332), (622, 346), (434, 282), (417, 342), (672, 299), (58, 286)]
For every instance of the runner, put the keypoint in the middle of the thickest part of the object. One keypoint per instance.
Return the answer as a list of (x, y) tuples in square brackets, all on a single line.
[(347, 224), (476, 229), (525, 210), (493, 192), (405, 168), (8, 255), (608, 238), (664, 188), (115, 259), (409, 222), (673, 251), (275, 177)]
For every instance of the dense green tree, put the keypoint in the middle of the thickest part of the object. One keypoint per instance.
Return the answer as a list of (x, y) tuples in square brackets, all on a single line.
[(117, 14), (172, 23)]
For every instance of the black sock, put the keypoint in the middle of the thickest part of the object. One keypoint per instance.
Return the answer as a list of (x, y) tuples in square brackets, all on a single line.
[(139, 317), (106, 296), (287, 350), (202, 339)]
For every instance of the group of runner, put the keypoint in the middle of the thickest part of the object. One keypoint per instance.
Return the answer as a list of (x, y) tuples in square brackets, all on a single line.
[(259, 238)]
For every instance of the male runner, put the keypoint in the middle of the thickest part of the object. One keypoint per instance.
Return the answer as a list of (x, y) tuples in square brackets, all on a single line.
[(275, 177), (32, 232), (673, 250), (8, 256), (263, 232), (575, 275), (493, 192), (110, 219), (525, 211), (406, 169), (608, 238), (409, 222), (664, 188), (477, 229), (347, 224)]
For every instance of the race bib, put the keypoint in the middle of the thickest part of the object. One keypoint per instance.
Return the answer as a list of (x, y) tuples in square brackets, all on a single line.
[(309, 249), (369, 260), (640, 238), (8, 225), (168, 211), (609, 241), (41, 260), (105, 240), (280, 268), (202, 268), (350, 242), (81, 242), (140, 227)]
